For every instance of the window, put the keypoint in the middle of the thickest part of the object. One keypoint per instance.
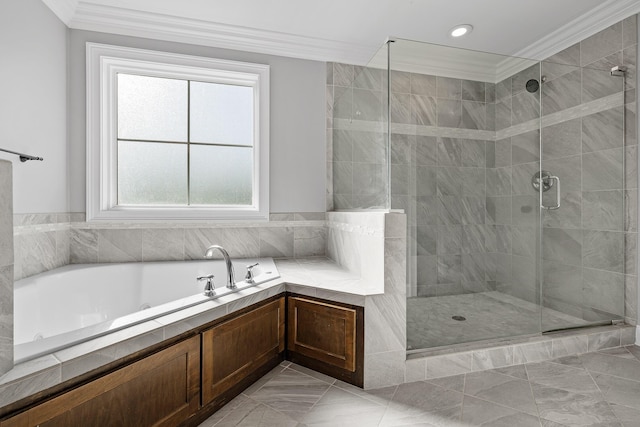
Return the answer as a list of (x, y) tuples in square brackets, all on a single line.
[(175, 137)]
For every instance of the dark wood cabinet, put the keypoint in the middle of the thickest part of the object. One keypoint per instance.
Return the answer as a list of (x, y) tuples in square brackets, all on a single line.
[(234, 351), (327, 337), (189, 380), (160, 390)]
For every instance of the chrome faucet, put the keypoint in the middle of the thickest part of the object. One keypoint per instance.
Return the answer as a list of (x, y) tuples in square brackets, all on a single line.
[(231, 281), (209, 288), (249, 278)]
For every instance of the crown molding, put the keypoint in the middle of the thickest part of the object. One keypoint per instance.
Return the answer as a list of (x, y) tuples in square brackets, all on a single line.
[(84, 15), (63, 9), (585, 25), (129, 22), (512, 66)]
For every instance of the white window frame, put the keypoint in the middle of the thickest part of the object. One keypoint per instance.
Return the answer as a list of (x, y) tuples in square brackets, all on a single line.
[(104, 62)]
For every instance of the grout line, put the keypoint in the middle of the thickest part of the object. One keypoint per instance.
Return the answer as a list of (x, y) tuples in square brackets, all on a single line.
[(604, 398)]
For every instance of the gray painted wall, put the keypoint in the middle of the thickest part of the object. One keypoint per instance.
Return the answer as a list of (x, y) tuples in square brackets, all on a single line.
[(297, 142), (33, 106)]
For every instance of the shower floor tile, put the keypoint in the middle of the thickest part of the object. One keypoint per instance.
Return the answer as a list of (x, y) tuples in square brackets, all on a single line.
[(489, 315)]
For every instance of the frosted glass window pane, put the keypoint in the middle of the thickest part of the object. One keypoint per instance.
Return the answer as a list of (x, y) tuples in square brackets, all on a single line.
[(221, 175), (152, 108), (152, 173), (221, 114)]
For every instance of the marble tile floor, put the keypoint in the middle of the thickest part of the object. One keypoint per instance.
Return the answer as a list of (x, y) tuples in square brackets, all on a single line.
[(489, 315), (592, 389)]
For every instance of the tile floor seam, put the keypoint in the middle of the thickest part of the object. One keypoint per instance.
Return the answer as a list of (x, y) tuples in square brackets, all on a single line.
[(319, 399), (632, 358), (462, 405), (555, 361), (361, 397), (387, 407), (392, 396), (265, 383), (502, 405), (611, 375), (604, 397), (278, 411), (311, 376), (367, 397), (535, 401), (464, 389), (635, 356), (229, 414)]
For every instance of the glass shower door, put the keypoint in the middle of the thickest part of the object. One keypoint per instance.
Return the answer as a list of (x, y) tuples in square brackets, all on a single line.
[(582, 204), (464, 144)]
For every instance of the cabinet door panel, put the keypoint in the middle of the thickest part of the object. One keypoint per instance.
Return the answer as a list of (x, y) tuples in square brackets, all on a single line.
[(237, 347), (323, 331), (160, 390)]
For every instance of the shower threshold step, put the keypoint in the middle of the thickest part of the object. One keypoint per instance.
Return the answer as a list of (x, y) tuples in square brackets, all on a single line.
[(491, 354)]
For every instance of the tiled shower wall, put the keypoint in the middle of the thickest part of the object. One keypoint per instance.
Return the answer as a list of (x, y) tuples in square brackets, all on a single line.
[(438, 144), (6, 267), (357, 171), (589, 244), (439, 128), (462, 157), (46, 241)]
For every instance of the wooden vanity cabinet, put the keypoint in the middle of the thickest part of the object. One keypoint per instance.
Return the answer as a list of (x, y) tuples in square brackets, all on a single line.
[(326, 336), (160, 390), (237, 352), (187, 382)]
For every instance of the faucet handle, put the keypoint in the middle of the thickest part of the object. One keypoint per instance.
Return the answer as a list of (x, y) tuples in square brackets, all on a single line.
[(249, 277), (209, 288)]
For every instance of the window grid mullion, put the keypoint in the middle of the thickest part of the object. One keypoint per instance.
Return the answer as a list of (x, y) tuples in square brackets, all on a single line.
[(212, 144)]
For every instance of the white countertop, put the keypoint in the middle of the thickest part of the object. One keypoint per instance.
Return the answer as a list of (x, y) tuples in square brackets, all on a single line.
[(323, 273)]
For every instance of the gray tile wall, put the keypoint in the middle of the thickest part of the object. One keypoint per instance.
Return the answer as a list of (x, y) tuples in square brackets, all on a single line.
[(462, 155), (6, 267), (512, 204), (47, 241), (357, 156), (386, 315), (589, 250), (440, 179), (41, 242)]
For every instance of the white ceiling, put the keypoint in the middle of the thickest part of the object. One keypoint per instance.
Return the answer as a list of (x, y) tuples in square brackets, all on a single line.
[(350, 30)]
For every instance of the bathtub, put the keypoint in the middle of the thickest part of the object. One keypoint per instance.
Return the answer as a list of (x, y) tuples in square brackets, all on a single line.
[(75, 303)]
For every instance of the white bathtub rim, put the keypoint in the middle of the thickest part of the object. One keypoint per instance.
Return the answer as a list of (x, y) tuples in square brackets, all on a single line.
[(34, 349)]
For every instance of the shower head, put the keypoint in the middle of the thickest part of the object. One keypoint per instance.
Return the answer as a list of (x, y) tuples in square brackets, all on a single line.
[(532, 86)]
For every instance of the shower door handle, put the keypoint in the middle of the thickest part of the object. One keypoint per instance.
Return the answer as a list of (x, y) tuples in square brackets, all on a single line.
[(557, 205)]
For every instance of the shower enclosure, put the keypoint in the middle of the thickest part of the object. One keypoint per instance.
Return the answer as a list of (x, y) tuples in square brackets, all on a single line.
[(512, 175)]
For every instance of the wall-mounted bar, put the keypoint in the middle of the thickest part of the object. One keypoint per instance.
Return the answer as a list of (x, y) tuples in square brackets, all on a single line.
[(23, 157)]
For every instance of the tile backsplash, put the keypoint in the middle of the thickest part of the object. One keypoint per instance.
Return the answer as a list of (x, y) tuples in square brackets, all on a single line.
[(47, 241)]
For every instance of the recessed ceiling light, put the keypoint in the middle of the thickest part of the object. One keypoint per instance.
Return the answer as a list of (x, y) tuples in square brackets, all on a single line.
[(460, 30)]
